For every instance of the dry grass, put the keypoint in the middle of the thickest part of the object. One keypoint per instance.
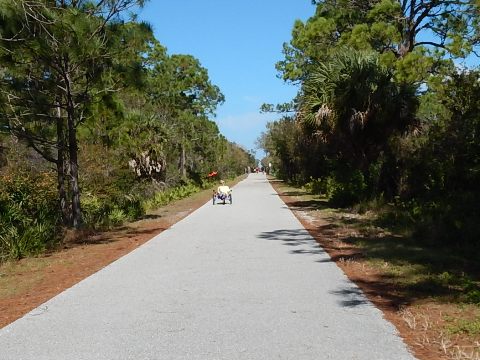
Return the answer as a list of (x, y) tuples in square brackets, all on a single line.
[(28, 270), (429, 335)]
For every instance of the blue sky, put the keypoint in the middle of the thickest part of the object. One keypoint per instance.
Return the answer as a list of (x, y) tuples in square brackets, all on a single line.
[(239, 43)]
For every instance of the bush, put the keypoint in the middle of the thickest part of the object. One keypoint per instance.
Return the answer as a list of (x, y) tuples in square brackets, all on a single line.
[(111, 192), (110, 211), (448, 222), (164, 197), (132, 206), (316, 186), (106, 211), (341, 188), (29, 217), (116, 216), (95, 210), (451, 221)]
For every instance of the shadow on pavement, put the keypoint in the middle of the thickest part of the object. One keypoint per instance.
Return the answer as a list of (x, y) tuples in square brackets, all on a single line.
[(294, 238), (351, 296), (302, 243)]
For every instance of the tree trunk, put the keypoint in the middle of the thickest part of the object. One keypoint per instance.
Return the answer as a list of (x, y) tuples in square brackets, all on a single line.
[(62, 193), (73, 152), (183, 170), (73, 155)]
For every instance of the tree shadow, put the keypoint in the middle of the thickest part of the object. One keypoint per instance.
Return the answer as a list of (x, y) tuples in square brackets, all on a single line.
[(149, 217), (418, 272), (309, 205), (351, 296), (115, 236), (290, 193), (384, 293), (408, 269), (425, 271), (294, 238)]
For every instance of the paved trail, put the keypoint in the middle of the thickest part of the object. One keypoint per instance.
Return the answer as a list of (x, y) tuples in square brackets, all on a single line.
[(241, 281)]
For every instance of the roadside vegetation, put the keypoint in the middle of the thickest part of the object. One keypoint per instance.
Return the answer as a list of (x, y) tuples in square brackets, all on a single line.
[(385, 135), (430, 293), (385, 121), (98, 122), (384, 117)]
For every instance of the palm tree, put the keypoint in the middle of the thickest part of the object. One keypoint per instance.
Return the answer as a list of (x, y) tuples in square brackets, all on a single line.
[(354, 104)]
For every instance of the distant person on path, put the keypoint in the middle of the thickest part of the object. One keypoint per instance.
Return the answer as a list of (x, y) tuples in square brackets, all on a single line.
[(223, 193), (223, 189)]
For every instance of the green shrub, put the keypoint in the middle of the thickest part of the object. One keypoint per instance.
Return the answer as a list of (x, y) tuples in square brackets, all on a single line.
[(447, 221), (132, 206), (117, 216), (463, 326), (315, 186), (110, 211), (344, 188), (162, 198), (473, 296), (112, 206), (29, 217), (95, 210), (471, 291)]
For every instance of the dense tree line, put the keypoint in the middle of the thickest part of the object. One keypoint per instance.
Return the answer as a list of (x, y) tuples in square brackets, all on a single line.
[(386, 110), (96, 118)]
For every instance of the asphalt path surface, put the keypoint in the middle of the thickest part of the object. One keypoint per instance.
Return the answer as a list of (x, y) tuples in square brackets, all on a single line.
[(241, 281)]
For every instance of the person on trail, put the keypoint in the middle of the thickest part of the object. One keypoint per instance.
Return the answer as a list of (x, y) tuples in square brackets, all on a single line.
[(223, 189), (223, 193)]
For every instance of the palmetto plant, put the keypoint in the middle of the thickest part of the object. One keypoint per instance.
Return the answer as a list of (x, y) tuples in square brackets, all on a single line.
[(353, 102)]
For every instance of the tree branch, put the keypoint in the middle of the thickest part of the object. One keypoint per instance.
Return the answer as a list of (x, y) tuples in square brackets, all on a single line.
[(432, 43)]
